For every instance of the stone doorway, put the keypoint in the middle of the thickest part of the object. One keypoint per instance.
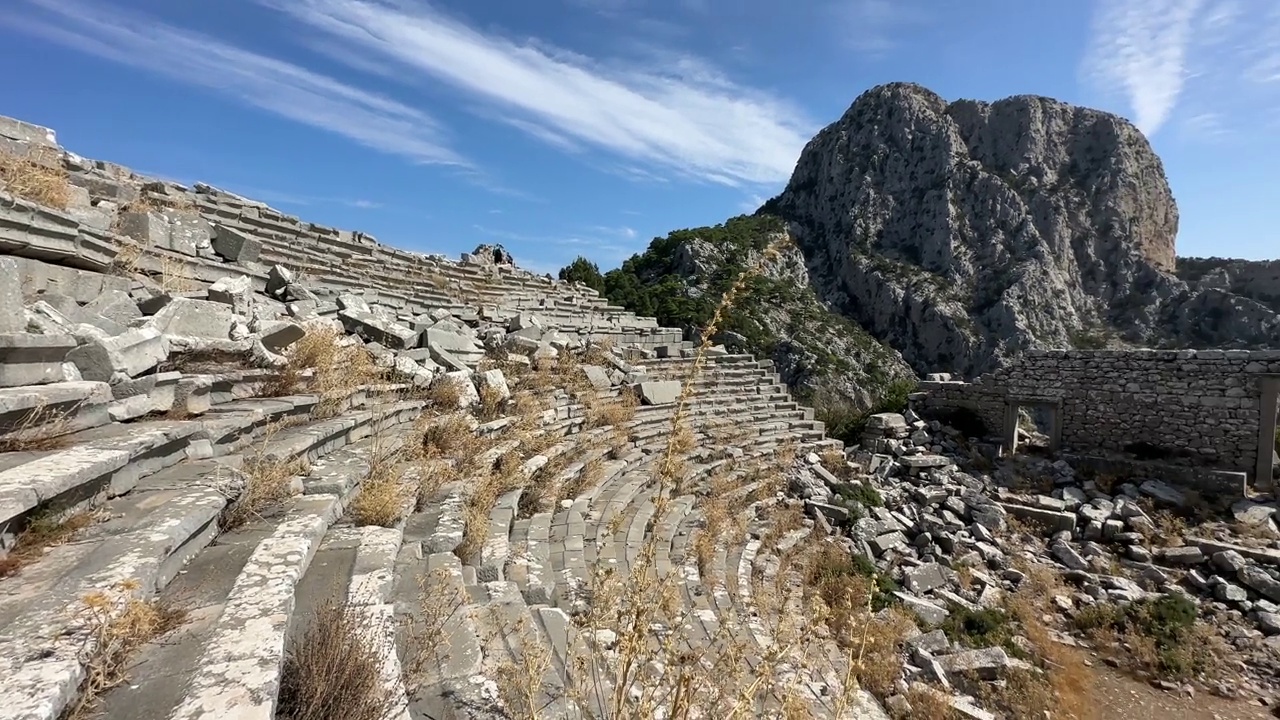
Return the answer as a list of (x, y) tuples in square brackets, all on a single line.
[(1050, 409)]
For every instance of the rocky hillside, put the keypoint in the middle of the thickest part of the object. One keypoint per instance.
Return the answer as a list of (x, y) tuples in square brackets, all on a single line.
[(961, 233), (680, 279)]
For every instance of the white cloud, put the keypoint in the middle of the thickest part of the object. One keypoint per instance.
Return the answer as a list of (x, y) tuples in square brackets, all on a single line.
[(680, 116), (1211, 66), (1139, 49), (278, 87)]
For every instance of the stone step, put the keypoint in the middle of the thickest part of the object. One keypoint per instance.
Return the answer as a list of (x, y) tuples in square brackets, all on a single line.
[(153, 532), (30, 414), (438, 634), (101, 462)]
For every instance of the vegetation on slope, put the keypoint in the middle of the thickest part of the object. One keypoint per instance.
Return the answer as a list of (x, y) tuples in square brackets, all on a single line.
[(827, 359)]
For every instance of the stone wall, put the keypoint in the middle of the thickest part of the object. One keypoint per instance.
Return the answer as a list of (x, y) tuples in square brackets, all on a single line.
[(1190, 407)]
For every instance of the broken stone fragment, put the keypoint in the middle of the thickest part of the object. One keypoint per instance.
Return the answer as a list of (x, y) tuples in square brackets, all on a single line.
[(276, 335), (493, 382), (378, 329), (113, 305), (659, 392), (236, 292), (127, 355), (279, 277)]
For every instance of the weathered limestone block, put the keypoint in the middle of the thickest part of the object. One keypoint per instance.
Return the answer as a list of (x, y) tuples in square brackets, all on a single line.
[(493, 382), (11, 315), (659, 392), (235, 246), (73, 405), (150, 229), (148, 394), (112, 305), (194, 318), (236, 292), (127, 355), (189, 233), (29, 359), (276, 335), (378, 329)]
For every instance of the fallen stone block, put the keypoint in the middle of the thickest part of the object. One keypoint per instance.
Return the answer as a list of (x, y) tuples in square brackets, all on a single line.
[(29, 359), (113, 305), (276, 335), (659, 392), (279, 278), (126, 355), (235, 246), (378, 329), (236, 292), (194, 318), (929, 613), (926, 577), (1052, 520), (986, 664), (155, 393), (597, 376), (494, 383)]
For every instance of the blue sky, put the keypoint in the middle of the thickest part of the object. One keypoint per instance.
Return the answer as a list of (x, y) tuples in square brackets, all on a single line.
[(560, 127)]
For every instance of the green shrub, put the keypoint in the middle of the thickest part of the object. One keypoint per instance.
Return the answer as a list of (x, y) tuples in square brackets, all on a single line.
[(1169, 624), (983, 628)]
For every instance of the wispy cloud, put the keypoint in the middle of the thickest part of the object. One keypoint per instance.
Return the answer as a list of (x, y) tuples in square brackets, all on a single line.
[(677, 116), (278, 87), (1139, 50), (873, 27), (1213, 66)]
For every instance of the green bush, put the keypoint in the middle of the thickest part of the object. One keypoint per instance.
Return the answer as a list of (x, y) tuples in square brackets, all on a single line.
[(987, 627), (1168, 621)]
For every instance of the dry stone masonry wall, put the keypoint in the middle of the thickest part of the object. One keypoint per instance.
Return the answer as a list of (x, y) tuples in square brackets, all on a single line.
[(1213, 408)]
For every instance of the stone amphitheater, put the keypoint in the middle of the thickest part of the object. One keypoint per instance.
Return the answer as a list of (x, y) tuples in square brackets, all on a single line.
[(253, 467), (144, 333)]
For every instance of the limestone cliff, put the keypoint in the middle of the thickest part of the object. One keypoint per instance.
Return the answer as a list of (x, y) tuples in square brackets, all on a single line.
[(960, 233)]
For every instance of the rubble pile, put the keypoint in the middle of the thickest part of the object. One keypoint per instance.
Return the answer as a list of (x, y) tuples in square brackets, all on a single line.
[(957, 534)]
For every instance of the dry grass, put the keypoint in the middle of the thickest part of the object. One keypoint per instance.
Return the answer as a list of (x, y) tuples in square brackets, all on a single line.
[(384, 497), (266, 484), (41, 429), (928, 704), (615, 412), (322, 363), (1062, 684), (443, 394), (117, 624), (333, 671), (39, 183), (176, 276), (42, 533)]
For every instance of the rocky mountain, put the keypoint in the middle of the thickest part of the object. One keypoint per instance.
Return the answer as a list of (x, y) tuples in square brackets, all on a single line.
[(961, 233)]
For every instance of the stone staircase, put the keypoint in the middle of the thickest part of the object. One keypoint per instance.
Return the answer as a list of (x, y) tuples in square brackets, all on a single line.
[(497, 612)]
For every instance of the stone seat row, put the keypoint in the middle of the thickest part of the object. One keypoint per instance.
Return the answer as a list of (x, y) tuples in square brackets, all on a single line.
[(162, 506)]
